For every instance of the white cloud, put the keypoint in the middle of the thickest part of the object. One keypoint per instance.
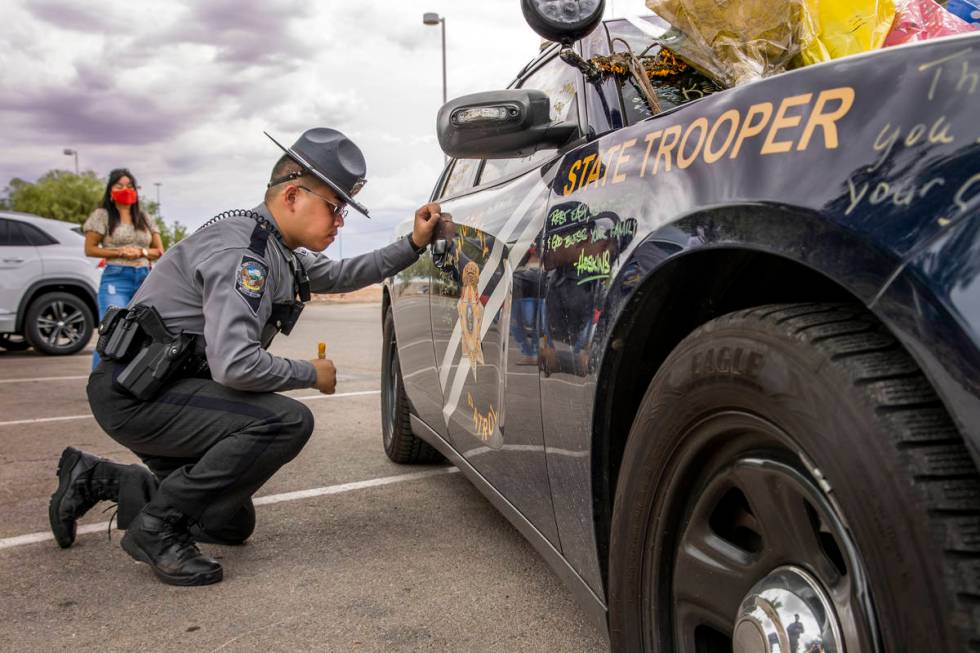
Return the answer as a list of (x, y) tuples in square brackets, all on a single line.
[(180, 92)]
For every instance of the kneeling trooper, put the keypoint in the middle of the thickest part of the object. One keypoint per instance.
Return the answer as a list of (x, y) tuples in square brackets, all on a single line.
[(218, 430)]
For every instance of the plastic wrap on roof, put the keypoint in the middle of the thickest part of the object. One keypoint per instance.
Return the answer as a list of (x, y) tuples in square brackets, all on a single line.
[(967, 10), (843, 27), (736, 41), (918, 20)]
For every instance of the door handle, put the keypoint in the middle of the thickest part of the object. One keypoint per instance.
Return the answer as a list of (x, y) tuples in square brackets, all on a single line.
[(443, 242), (439, 248), (443, 254), (13, 260)]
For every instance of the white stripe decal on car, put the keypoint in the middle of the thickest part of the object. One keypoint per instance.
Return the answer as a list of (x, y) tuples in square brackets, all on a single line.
[(494, 304), (487, 274)]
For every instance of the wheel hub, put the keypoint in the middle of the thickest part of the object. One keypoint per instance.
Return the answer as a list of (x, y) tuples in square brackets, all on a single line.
[(787, 611)]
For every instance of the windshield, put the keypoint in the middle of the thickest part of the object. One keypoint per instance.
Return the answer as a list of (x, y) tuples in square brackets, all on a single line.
[(674, 82)]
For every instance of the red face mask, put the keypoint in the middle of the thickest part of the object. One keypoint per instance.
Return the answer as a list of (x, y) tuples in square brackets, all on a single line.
[(125, 196)]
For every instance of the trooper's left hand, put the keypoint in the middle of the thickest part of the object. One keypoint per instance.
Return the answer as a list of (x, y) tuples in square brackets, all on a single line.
[(426, 219)]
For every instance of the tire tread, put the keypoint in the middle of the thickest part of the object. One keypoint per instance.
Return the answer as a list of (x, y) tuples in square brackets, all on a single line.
[(406, 447), (930, 447)]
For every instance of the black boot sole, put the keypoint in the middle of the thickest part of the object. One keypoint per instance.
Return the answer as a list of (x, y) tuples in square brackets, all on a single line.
[(139, 555), (64, 537)]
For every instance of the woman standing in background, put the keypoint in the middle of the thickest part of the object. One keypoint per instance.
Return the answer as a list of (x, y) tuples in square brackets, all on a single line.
[(120, 232)]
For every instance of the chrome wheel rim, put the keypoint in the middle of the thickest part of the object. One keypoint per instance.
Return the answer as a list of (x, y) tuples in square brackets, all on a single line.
[(755, 508), (781, 609), (60, 325)]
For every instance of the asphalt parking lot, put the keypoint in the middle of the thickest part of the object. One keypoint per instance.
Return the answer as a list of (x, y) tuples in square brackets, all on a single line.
[(351, 552)]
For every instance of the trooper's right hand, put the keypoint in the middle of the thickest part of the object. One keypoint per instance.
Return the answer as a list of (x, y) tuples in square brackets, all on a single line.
[(326, 375)]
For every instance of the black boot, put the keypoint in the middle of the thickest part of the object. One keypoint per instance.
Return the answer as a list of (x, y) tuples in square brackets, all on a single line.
[(161, 540), (79, 488)]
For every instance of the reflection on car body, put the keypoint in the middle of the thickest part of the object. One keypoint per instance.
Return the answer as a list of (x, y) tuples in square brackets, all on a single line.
[(570, 279)]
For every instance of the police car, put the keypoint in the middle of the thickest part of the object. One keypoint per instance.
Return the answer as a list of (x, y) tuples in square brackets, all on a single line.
[(717, 359)]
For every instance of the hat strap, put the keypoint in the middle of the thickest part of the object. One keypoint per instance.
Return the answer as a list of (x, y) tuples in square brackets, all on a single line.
[(292, 175)]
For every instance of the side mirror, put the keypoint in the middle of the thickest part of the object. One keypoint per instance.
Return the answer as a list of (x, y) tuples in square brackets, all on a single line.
[(563, 21), (500, 125)]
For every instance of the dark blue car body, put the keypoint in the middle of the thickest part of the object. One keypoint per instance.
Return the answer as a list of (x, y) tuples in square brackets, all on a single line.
[(856, 180)]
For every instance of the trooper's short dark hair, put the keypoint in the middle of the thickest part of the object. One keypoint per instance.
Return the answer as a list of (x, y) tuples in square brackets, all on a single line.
[(284, 167)]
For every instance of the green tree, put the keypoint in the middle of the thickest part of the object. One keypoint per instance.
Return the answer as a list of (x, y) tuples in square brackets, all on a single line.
[(58, 194), (63, 195), (171, 234)]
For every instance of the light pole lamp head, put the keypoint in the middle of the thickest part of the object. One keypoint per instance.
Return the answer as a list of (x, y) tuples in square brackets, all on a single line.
[(431, 18), (68, 151)]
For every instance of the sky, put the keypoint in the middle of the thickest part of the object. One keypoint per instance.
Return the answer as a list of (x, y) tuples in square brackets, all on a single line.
[(180, 92)]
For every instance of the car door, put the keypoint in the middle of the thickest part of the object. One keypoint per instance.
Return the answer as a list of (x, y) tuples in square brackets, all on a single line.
[(410, 290), (484, 302), (20, 266)]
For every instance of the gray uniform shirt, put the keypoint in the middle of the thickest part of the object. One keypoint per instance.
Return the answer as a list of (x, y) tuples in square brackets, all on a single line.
[(213, 284)]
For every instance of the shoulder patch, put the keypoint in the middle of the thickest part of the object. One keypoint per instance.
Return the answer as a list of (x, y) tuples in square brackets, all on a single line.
[(250, 280)]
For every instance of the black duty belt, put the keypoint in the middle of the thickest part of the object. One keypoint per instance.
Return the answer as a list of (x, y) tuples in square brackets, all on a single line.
[(153, 355)]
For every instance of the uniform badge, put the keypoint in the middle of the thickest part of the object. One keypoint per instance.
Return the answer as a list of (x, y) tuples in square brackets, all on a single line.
[(250, 281)]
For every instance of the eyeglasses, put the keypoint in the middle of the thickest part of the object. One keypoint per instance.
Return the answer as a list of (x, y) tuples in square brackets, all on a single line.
[(337, 210)]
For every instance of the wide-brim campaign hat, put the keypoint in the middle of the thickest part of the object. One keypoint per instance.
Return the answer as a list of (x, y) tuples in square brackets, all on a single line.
[(333, 159)]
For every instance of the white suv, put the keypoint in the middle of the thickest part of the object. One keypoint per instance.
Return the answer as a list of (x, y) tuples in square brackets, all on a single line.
[(48, 287)]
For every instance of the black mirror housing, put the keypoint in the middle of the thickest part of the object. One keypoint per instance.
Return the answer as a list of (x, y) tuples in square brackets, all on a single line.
[(500, 125)]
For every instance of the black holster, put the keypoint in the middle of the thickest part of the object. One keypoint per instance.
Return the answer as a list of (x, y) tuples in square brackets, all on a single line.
[(138, 337)]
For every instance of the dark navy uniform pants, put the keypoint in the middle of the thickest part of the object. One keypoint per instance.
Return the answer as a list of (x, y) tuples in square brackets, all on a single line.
[(209, 448)]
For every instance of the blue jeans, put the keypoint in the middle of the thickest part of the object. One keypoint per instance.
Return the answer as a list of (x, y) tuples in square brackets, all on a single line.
[(119, 284), (524, 325)]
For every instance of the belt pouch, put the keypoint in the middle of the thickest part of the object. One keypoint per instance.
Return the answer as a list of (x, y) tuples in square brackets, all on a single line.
[(122, 335)]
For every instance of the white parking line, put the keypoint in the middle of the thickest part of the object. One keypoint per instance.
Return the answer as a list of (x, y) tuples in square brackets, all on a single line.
[(64, 418), (45, 419), (34, 538), (45, 378), (343, 394)]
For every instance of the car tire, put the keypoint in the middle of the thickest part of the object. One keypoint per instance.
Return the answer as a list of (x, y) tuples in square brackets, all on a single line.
[(58, 323), (787, 442), (400, 444), (13, 342)]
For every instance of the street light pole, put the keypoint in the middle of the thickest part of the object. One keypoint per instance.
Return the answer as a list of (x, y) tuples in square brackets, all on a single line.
[(443, 21), (69, 152), (432, 18), (158, 184)]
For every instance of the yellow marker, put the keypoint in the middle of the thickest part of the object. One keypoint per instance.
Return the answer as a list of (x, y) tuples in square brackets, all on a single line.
[(321, 350)]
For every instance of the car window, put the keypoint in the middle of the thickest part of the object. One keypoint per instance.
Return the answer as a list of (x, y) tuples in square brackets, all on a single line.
[(36, 236), (11, 235), (461, 177), (558, 80), (672, 90)]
